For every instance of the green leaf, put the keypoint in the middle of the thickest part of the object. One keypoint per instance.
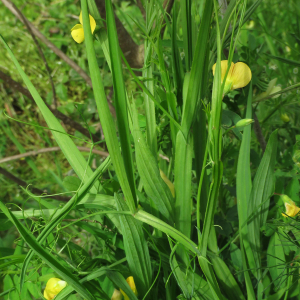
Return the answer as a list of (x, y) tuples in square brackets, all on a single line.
[(106, 119), (183, 182), (262, 190), (120, 96), (156, 189), (120, 282), (49, 259), (56, 219), (285, 60), (229, 118), (226, 279), (276, 262), (71, 183), (243, 190), (136, 249)]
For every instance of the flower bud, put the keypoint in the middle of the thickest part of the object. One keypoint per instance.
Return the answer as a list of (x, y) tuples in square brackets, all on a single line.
[(244, 122), (53, 287), (285, 118), (117, 295), (291, 209), (168, 182)]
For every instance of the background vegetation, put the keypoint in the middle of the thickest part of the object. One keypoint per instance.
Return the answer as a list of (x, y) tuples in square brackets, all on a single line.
[(183, 256)]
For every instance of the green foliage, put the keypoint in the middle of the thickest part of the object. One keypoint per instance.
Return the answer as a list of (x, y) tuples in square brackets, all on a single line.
[(226, 234)]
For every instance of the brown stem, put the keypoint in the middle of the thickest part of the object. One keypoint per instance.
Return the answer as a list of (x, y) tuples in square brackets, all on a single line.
[(33, 189), (15, 86), (50, 149), (141, 7), (133, 52), (258, 133)]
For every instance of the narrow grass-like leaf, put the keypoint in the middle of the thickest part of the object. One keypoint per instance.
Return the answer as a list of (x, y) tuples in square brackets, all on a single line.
[(64, 211), (37, 248), (103, 110), (156, 189), (285, 60), (226, 279), (120, 96), (247, 16), (136, 248), (243, 190), (276, 262), (120, 281), (214, 140), (183, 153), (197, 69), (183, 180), (258, 208), (177, 66), (96, 274), (149, 84), (186, 17), (211, 278), (167, 229), (145, 90)]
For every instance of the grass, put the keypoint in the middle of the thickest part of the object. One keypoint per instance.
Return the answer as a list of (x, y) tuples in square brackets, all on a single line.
[(212, 226)]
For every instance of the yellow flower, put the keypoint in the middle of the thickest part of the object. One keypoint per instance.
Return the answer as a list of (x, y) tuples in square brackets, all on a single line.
[(239, 75), (272, 89), (77, 31), (53, 287), (168, 182), (291, 209), (117, 295), (131, 283)]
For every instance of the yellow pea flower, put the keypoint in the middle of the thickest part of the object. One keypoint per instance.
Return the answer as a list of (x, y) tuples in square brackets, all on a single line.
[(77, 31), (239, 75), (131, 283), (291, 209), (168, 182), (117, 295), (53, 287)]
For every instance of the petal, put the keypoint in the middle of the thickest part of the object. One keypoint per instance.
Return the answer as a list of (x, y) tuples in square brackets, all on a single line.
[(77, 33), (241, 75), (92, 22), (290, 209), (46, 295), (224, 66), (80, 18)]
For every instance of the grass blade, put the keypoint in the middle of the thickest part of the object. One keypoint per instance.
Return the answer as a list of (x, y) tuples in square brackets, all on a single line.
[(107, 122), (45, 256), (136, 249), (258, 208), (63, 212), (243, 190), (120, 96), (156, 189)]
